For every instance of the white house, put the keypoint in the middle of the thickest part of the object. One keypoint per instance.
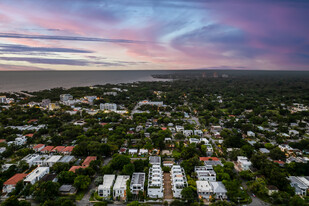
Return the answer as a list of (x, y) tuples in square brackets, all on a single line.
[(143, 152), (133, 151), (204, 189), (52, 160), (36, 175), (9, 185), (187, 133), (108, 106), (179, 180), (293, 132), (137, 182), (194, 140), (104, 190), (179, 128), (250, 134), (204, 173), (301, 184), (120, 186), (198, 133), (243, 162), (155, 182), (219, 190)]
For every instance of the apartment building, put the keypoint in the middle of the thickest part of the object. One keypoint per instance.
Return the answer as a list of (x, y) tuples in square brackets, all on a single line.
[(120, 186), (137, 182), (179, 180), (155, 181), (205, 173), (36, 175), (104, 190)]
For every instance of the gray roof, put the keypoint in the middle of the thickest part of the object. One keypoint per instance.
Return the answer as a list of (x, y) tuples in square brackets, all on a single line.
[(155, 160), (138, 179), (66, 159)]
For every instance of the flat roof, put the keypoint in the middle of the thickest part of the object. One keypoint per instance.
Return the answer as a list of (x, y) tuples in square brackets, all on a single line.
[(121, 182), (67, 158), (54, 158), (108, 181), (138, 178), (37, 172), (154, 160)]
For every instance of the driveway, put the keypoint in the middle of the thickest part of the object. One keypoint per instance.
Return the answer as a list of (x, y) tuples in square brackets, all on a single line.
[(168, 194), (85, 200)]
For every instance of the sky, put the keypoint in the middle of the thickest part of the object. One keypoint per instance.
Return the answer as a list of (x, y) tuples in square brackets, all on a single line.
[(154, 34)]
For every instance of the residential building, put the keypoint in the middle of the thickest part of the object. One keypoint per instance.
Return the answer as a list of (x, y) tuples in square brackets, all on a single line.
[(301, 184), (52, 160), (137, 182), (108, 106), (205, 173), (38, 147), (146, 102), (179, 180), (155, 182), (67, 159), (203, 189), (104, 190), (206, 189), (155, 160), (243, 162), (47, 149), (67, 190), (36, 175), (187, 133), (88, 159), (198, 133), (120, 186), (264, 150), (211, 161), (65, 97), (30, 159), (9, 185)]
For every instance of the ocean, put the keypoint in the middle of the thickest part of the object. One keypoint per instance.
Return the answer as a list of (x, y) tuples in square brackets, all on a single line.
[(39, 80)]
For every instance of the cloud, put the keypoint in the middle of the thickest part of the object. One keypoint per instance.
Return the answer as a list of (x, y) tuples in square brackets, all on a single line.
[(13, 48), (68, 38), (71, 62), (9, 67)]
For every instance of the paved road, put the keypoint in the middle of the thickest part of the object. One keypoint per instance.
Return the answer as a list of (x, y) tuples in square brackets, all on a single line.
[(85, 200)]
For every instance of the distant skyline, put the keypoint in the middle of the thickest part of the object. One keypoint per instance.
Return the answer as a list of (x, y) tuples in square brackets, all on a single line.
[(154, 34)]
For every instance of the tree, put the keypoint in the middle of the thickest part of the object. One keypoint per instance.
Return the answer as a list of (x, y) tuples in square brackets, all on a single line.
[(189, 194), (82, 182), (119, 161), (45, 191), (128, 169), (66, 177), (178, 203), (60, 166), (277, 154)]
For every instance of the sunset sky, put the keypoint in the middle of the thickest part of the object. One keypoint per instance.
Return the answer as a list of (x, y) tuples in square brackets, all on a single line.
[(154, 34)]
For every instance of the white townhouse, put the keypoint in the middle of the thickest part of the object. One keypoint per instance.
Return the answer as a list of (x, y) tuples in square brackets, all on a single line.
[(243, 162), (137, 182), (104, 190), (206, 189), (36, 175), (204, 173), (30, 159), (52, 160), (120, 186), (179, 180), (155, 182)]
